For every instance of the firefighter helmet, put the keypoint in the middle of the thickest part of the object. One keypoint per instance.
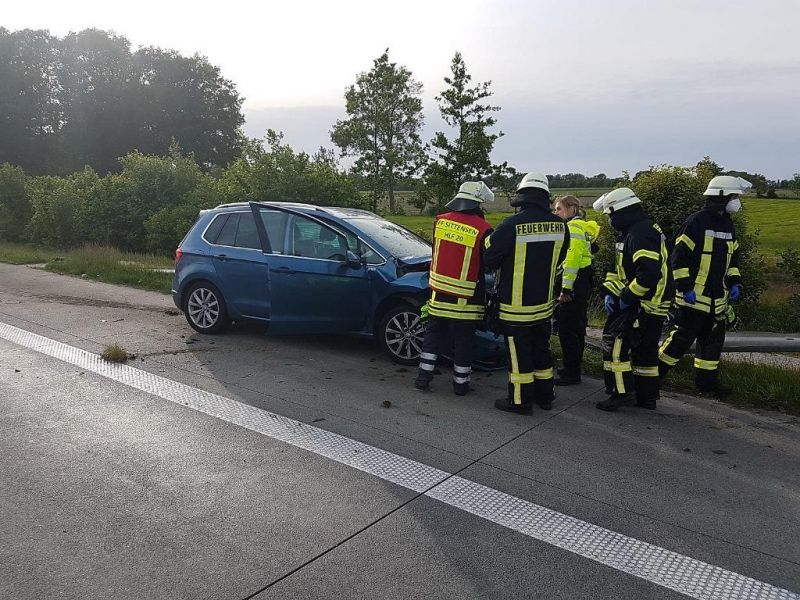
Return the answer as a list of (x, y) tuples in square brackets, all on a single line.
[(616, 200), (471, 195), (725, 185), (534, 180)]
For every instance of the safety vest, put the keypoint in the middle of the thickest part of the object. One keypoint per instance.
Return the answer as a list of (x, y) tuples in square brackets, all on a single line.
[(582, 234), (456, 266)]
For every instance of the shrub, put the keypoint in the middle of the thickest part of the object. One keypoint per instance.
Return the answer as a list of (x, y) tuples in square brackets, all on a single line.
[(15, 208)]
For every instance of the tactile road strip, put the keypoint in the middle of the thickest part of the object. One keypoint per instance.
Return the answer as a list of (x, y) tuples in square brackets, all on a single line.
[(663, 567)]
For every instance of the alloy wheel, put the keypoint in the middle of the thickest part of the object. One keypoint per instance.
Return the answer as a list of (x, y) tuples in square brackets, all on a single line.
[(203, 308), (403, 335)]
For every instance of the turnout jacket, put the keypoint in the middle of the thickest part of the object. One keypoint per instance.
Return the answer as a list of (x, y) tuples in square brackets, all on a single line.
[(706, 259), (642, 272), (581, 235), (456, 277), (529, 249)]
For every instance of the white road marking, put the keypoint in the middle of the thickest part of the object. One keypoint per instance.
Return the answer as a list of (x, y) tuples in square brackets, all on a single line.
[(663, 567)]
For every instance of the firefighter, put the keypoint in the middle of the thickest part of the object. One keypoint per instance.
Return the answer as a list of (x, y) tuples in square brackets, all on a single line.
[(575, 288), (705, 266), (529, 248), (638, 296), (458, 290)]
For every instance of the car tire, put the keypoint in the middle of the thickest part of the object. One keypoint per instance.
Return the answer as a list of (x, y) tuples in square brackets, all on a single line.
[(400, 333), (205, 308)]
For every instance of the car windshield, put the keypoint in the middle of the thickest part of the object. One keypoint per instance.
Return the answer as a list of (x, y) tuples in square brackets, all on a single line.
[(396, 239)]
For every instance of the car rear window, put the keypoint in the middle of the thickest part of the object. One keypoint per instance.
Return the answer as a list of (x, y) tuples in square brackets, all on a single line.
[(212, 231), (228, 234)]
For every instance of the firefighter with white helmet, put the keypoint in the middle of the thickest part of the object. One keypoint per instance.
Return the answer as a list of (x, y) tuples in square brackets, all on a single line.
[(529, 249), (458, 290), (705, 266), (638, 295)]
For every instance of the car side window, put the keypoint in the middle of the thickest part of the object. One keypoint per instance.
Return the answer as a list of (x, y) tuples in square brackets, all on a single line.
[(212, 231), (311, 239), (275, 226), (246, 233), (228, 234)]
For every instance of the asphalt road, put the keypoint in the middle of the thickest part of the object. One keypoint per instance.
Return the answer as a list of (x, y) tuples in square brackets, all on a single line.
[(176, 478)]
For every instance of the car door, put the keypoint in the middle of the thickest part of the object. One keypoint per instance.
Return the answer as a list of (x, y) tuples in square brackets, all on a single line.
[(241, 266), (313, 286)]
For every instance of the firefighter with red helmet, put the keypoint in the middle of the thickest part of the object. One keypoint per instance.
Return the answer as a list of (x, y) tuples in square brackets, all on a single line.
[(458, 290)]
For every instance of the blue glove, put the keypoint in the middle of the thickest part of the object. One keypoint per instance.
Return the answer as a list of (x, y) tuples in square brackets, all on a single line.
[(690, 297), (736, 292), (608, 304)]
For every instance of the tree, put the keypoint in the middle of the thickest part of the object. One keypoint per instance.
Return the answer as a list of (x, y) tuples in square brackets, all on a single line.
[(794, 183), (15, 208), (382, 127), (466, 157)]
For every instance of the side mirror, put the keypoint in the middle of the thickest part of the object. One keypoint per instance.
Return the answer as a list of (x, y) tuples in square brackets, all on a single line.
[(353, 260)]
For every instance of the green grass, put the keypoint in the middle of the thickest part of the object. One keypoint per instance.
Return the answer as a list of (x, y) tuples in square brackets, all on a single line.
[(115, 353), (113, 266), (580, 192), (25, 254), (777, 219)]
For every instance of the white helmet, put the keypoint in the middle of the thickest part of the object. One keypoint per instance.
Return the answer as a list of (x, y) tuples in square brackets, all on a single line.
[(534, 180), (615, 200), (475, 190), (725, 185)]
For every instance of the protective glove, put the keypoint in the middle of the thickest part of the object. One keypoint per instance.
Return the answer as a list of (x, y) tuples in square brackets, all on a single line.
[(608, 304), (736, 292), (690, 297), (423, 312), (623, 305)]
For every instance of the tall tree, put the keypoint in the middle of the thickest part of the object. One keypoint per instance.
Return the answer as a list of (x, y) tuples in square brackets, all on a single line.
[(466, 156), (382, 127)]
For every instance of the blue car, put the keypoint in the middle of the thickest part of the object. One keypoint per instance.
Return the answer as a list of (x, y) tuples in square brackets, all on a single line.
[(306, 269)]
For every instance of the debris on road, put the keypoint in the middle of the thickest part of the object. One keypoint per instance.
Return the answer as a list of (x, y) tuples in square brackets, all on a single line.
[(386, 404), (115, 353)]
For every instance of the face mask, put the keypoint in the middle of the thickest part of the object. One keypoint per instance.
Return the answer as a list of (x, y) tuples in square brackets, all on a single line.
[(733, 206)]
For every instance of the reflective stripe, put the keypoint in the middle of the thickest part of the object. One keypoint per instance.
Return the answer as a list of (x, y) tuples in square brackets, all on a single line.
[(685, 239), (645, 254), (645, 371), (428, 356), (615, 356), (426, 366), (571, 271), (463, 283), (720, 235), (512, 350), (521, 378), (578, 236), (681, 273), (620, 367), (462, 370), (461, 379), (543, 374), (734, 271), (487, 241), (667, 359), (465, 265), (518, 278), (539, 237), (706, 365), (637, 289)]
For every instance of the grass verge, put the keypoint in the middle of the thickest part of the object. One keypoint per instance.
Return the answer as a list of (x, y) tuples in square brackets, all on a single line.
[(25, 254), (113, 266), (757, 386)]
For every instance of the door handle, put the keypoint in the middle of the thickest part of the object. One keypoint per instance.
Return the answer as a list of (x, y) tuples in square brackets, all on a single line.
[(221, 256), (283, 270)]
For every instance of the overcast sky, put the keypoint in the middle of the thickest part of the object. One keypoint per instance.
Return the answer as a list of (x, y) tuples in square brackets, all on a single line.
[(586, 86)]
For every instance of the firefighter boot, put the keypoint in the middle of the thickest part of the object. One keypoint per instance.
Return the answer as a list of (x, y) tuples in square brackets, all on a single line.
[(460, 389), (648, 403), (615, 401), (565, 378), (423, 380), (508, 406)]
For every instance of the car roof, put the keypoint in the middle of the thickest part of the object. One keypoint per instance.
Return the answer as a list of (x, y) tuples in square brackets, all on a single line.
[(335, 211)]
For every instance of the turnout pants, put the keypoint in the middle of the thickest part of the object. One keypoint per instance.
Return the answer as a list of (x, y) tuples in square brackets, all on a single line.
[(572, 322), (437, 331), (630, 354), (691, 325), (530, 362)]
